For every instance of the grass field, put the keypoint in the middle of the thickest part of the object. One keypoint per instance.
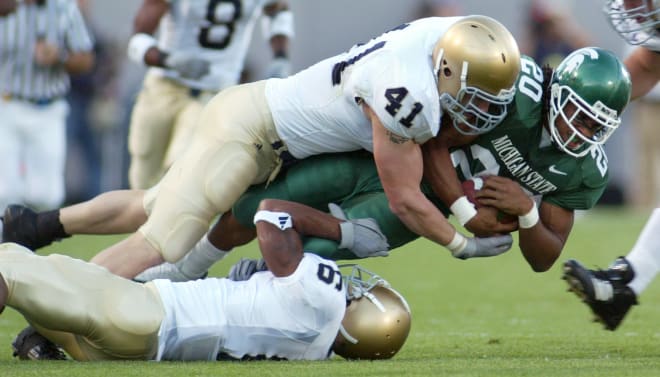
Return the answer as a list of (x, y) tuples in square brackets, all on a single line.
[(482, 317)]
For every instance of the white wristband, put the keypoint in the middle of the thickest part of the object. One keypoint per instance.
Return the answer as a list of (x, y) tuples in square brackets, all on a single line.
[(139, 45), (529, 219), (463, 210), (280, 24), (281, 220), (457, 244)]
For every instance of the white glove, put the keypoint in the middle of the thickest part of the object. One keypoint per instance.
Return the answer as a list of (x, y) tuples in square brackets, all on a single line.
[(485, 247), (245, 268), (363, 237), (187, 65), (279, 68)]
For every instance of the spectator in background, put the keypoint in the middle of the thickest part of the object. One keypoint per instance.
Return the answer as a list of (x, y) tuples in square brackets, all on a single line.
[(41, 44), (552, 32)]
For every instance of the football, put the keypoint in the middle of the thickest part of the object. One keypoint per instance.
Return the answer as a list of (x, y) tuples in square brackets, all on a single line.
[(471, 186)]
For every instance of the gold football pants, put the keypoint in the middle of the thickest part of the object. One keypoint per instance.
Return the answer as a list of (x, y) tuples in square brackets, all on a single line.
[(91, 313)]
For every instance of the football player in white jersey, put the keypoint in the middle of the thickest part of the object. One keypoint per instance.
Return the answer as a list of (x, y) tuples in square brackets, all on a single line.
[(386, 96), (296, 310), (200, 50), (611, 293)]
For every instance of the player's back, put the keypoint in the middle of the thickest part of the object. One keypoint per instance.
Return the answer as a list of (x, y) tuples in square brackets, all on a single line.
[(293, 317), (318, 110)]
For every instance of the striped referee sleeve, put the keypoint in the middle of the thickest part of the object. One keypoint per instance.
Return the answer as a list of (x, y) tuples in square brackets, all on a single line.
[(58, 22)]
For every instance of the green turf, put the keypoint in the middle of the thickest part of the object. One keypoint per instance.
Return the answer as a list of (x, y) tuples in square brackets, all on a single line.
[(483, 317)]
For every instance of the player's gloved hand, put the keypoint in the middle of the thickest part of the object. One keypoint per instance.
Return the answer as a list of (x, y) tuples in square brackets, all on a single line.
[(361, 236), (245, 268), (279, 67), (485, 247), (187, 65)]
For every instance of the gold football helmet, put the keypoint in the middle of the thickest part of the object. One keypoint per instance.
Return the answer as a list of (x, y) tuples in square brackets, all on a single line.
[(377, 319), (637, 21), (476, 62)]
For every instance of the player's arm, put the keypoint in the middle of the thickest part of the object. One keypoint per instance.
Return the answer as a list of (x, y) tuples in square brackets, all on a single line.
[(279, 226), (439, 172), (145, 24), (542, 232), (400, 168), (644, 67), (280, 30), (143, 47)]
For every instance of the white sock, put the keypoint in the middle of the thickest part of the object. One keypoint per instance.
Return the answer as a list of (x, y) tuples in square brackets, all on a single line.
[(200, 258), (645, 255)]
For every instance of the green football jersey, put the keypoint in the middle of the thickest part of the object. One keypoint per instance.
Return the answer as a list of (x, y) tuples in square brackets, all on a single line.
[(520, 148)]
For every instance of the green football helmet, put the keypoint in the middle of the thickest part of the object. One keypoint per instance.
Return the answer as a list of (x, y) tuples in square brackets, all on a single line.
[(637, 21), (588, 90)]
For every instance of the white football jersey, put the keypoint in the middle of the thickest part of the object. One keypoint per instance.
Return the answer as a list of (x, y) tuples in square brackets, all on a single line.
[(216, 30), (294, 317), (318, 109)]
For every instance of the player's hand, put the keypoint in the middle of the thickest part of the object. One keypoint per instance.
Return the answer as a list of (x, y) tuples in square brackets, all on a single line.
[(46, 54), (504, 194), (487, 223), (187, 65), (245, 268), (363, 237), (279, 68), (485, 247)]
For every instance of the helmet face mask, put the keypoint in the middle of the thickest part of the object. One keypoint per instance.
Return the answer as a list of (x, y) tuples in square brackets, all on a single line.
[(476, 63), (637, 21), (574, 117), (589, 90), (377, 319), (474, 111)]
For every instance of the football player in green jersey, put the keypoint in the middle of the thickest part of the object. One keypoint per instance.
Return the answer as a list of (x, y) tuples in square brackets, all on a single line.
[(548, 147)]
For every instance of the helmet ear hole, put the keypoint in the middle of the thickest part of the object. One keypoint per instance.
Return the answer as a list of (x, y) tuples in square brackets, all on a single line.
[(447, 72)]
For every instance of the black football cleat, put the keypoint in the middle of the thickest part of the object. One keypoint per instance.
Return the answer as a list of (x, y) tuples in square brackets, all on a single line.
[(20, 226), (30, 345), (605, 291)]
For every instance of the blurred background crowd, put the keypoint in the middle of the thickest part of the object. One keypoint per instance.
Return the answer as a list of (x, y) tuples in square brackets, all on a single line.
[(547, 30)]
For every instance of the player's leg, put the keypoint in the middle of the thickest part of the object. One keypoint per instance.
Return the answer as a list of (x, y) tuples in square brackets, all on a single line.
[(152, 119), (610, 293), (644, 258), (113, 212), (315, 181), (107, 317), (371, 205), (231, 151), (184, 128)]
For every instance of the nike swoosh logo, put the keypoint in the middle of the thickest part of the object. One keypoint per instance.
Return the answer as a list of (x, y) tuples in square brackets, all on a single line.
[(553, 169)]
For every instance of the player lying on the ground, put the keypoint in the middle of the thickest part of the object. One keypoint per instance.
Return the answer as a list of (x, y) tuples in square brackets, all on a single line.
[(301, 308), (611, 293)]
